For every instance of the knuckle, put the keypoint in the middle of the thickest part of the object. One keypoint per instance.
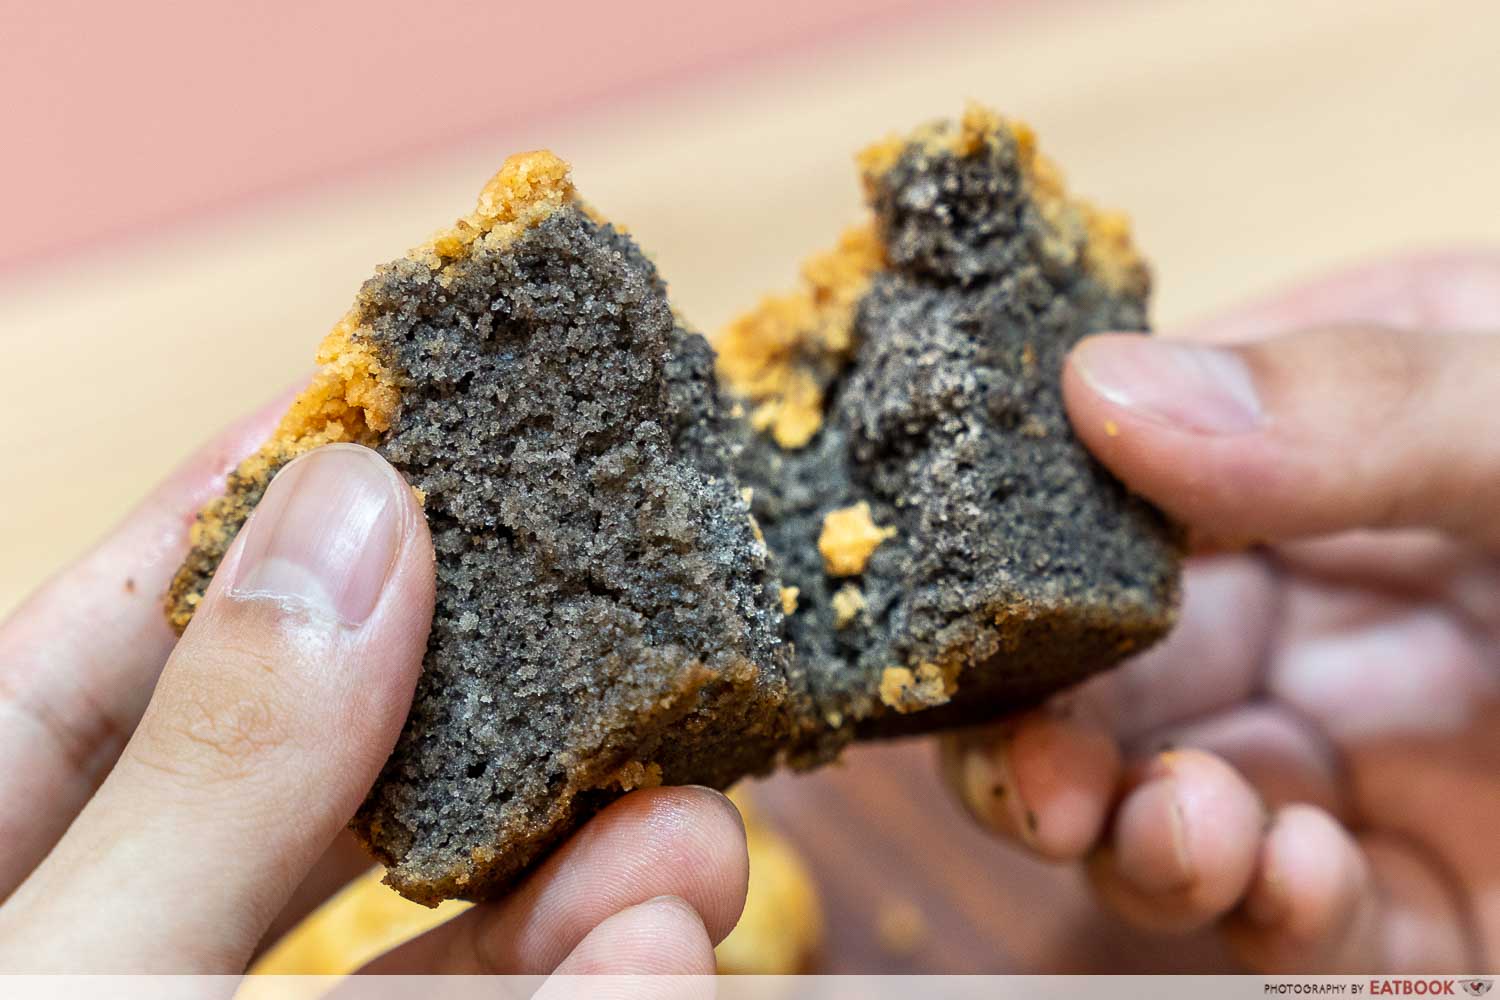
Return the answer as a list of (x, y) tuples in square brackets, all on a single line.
[(214, 728), (232, 734), (1391, 375), (1393, 369), (83, 732)]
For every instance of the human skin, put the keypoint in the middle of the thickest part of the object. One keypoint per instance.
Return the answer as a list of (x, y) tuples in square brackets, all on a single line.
[(1310, 764), (163, 807), (1332, 693)]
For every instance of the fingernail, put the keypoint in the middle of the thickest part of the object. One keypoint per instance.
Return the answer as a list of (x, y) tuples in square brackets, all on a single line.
[(987, 785), (1195, 387), (1155, 864), (325, 534)]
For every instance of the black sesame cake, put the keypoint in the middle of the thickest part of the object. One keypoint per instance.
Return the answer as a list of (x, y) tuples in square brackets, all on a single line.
[(606, 617), (954, 550), (929, 545)]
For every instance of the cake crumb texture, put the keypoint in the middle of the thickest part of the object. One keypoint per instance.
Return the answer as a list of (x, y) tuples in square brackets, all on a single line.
[(1076, 233), (868, 516), (993, 559), (352, 397), (605, 617)]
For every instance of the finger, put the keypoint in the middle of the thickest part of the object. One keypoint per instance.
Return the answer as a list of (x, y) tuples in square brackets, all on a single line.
[(1422, 925), (1047, 782), (1212, 660), (1431, 784), (1306, 434), (268, 726), (1312, 906), (1323, 902), (79, 658), (1183, 845), (660, 937), (684, 842), (1444, 290), (343, 862), (1343, 642), (1043, 780), (1415, 564), (1282, 756)]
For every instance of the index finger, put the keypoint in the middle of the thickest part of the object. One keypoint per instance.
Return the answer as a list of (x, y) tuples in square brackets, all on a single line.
[(80, 657), (1455, 291)]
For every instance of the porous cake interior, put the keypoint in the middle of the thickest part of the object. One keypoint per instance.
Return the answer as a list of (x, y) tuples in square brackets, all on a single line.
[(955, 548), (929, 543), (605, 616), (599, 587)]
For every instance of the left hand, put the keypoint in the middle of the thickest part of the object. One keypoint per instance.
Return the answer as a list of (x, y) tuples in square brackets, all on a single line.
[(164, 807)]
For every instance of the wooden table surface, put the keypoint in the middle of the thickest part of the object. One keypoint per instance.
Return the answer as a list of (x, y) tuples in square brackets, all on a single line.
[(1252, 143)]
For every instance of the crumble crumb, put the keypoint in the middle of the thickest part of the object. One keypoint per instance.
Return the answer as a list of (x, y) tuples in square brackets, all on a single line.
[(848, 539), (848, 602)]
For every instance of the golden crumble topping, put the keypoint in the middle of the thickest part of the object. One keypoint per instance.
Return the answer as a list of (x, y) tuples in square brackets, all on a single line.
[(928, 686), (781, 355), (351, 397), (848, 539), (848, 602)]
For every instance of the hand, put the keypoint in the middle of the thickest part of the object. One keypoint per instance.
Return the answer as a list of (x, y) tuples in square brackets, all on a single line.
[(166, 831), (1311, 762)]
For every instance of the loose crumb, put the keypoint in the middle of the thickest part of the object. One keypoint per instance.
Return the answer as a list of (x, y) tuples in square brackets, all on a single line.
[(848, 602), (908, 691), (789, 600), (848, 539), (634, 774), (1111, 428)]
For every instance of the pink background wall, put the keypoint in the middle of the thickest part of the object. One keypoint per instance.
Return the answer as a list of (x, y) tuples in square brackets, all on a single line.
[(121, 116)]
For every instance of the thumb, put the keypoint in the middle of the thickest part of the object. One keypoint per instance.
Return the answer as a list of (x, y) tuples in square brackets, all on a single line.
[(1304, 434), (270, 722)]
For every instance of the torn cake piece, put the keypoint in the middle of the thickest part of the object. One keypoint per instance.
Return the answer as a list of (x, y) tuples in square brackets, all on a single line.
[(955, 550), (606, 617), (634, 586)]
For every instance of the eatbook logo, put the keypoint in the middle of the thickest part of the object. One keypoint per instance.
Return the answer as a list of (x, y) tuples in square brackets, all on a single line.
[(1477, 987)]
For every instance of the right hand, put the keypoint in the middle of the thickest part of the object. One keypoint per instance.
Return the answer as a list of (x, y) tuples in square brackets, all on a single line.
[(1331, 699)]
